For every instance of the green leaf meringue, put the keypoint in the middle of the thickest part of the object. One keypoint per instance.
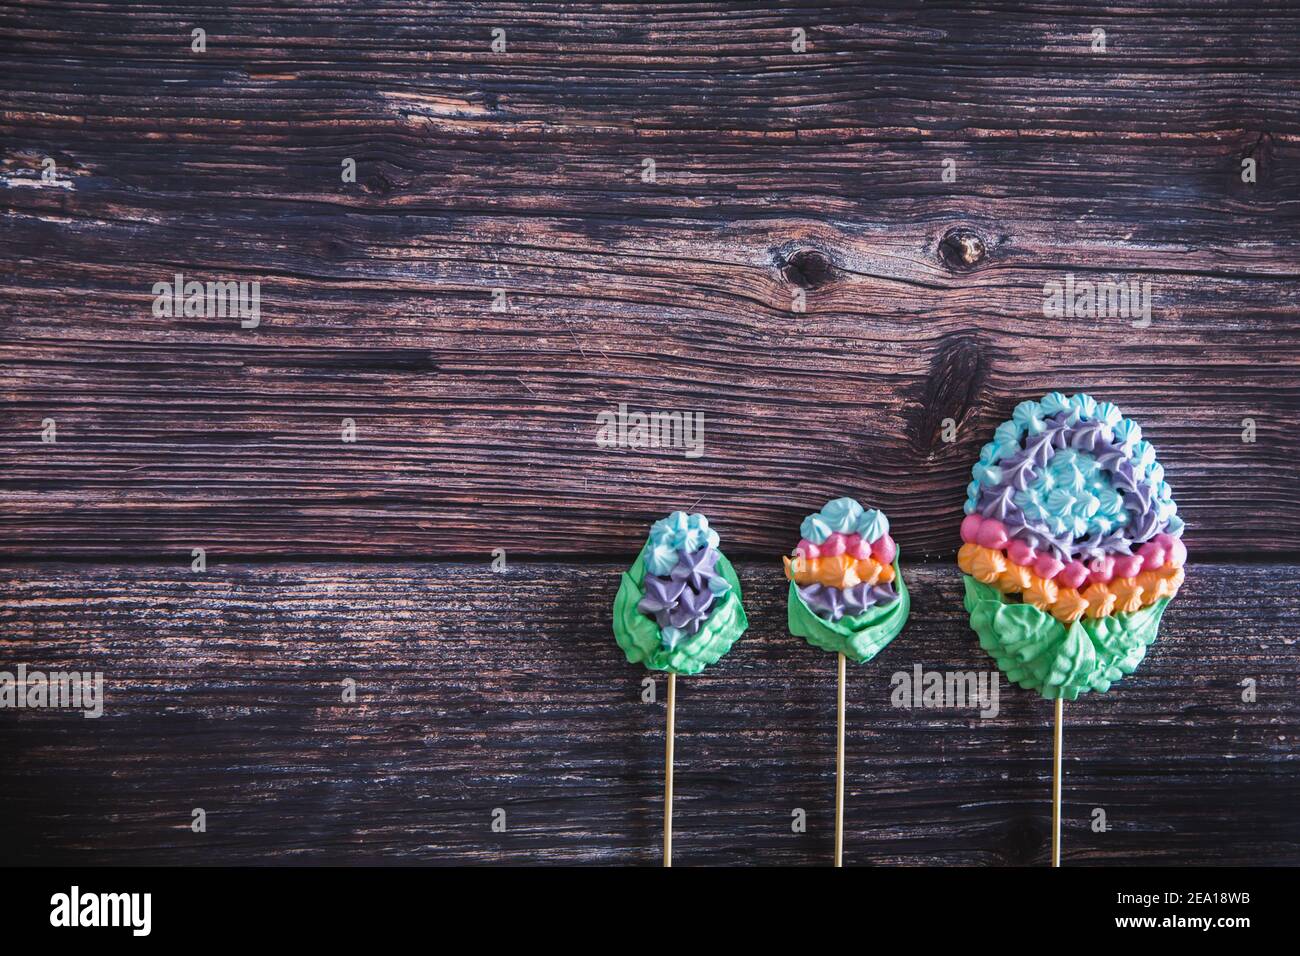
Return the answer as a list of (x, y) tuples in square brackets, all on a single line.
[(639, 636), (1038, 652), (858, 638)]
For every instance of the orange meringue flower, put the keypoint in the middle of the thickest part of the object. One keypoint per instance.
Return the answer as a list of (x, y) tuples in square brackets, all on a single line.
[(1041, 593), (866, 570), (1015, 578), (840, 571), (1128, 594), (886, 572), (1101, 602), (966, 557), (1174, 576), (1154, 587), (988, 565), (1069, 606)]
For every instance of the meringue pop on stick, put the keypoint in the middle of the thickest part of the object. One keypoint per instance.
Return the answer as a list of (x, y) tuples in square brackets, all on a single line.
[(846, 595), (1072, 550), (679, 610)]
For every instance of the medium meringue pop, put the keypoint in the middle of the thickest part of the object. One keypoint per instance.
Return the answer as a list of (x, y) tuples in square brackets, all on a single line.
[(846, 589)]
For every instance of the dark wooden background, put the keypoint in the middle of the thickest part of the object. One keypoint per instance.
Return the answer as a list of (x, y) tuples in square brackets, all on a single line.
[(776, 171)]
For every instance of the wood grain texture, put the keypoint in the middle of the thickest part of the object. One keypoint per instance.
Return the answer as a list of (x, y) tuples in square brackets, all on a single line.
[(479, 690), (777, 173)]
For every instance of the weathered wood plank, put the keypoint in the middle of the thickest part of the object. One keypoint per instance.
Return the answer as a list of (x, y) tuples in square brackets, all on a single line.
[(470, 441), (479, 690), (778, 173), (711, 66)]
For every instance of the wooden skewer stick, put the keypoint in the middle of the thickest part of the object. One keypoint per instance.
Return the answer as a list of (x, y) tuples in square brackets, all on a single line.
[(839, 772), (668, 771), (1056, 784)]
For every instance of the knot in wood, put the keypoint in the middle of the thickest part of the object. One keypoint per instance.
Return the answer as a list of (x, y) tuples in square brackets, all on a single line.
[(807, 268), (961, 249)]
